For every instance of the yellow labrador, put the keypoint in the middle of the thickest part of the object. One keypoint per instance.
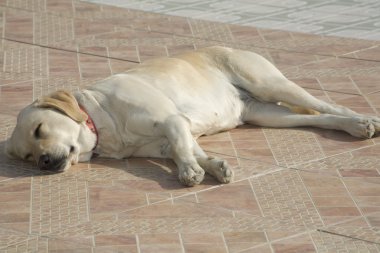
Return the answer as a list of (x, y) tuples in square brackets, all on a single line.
[(159, 108)]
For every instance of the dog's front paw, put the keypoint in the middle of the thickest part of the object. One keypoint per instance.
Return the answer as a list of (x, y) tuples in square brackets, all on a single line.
[(219, 169), (224, 173), (191, 174)]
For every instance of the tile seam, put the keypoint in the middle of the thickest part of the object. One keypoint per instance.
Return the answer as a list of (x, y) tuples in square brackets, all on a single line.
[(346, 236), (181, 35)]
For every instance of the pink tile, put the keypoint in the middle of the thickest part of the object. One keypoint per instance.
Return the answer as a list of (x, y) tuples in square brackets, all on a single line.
[(113, 200), (204, 248), (359, 173), (107, 240), (180, 209), (302, 243), (19, 25), (95, 203), (63, 63), (235, 196), (93, 66)]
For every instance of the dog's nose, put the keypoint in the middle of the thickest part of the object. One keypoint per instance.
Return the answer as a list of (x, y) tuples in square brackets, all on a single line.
[(47, 162), (44, 161)]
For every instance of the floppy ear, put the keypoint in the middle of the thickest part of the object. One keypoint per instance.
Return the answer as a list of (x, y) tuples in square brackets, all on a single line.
[(64, 102)]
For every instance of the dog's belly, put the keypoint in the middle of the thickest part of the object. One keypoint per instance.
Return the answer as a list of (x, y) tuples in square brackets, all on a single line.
[(216, 117)]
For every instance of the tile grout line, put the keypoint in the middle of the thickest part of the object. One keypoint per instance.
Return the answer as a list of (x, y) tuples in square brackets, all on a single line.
[(313, 240), (373, 92), (356, 204), (181, 242), (78, 63), (109, 61), (361, 50), (365, 97), (88, 201), (308, 230), (181, 35), (279, 28), (95, 55), (137, 243), (278, 240), (268, 240), (256, 198), (195, 192), (77, 51), (357, 23), (31, 205), (224, 242), (310, 197), (233, 147), (271, 148), (338, 154), (342, 235)]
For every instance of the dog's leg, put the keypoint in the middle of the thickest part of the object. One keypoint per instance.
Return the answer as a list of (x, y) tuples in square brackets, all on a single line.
[(177, 130), (265, 82), (214, 166), (290, 93), (272, 115)]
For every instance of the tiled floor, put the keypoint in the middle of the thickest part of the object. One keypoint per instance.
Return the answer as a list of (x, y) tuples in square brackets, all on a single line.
[(296, 190), (347, 18)]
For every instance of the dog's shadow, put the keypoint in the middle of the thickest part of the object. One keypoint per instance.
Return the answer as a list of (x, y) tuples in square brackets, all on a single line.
[(158, 173), (154, 173), (11, 168), (148, 172)]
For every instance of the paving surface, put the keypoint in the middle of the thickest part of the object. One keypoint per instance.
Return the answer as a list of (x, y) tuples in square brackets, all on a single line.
[(296, 190), (346, 18)]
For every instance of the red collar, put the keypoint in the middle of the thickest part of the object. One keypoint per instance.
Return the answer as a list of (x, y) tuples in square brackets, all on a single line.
[(90, 124)]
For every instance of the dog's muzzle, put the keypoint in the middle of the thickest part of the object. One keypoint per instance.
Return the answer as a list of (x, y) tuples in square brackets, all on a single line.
[(48, 162)]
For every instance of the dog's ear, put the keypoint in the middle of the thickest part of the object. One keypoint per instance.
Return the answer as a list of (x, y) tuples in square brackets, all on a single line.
[(65, 102)]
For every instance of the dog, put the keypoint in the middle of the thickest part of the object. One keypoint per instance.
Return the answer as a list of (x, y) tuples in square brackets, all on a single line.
[(161, 107)]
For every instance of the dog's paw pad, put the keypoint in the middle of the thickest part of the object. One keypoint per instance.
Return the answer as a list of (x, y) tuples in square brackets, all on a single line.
[(225, 174), (191, 175), (361, 127)]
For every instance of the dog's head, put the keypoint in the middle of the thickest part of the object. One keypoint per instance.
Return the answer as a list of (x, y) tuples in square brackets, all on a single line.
[(49, 131)]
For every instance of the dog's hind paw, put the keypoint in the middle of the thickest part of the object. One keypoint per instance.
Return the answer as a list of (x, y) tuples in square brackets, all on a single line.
[(362, 127)]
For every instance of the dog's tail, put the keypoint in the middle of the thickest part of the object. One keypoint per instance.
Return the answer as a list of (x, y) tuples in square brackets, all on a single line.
[(299, 110)]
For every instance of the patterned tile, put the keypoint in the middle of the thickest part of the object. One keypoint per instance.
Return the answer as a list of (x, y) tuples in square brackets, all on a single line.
[(25, 59), (358, 163), (54, 29), (14, 206), (282, 195), (333, 68), (356, 19), (295, 190), (328, 242), (293, 146), (28, 244), (57, 202)]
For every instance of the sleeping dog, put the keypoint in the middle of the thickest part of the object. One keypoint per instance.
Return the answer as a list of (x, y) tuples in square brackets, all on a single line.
[(161, 107)]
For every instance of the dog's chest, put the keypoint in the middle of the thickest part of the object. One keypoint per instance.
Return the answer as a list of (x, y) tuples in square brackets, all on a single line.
[(136, 146)]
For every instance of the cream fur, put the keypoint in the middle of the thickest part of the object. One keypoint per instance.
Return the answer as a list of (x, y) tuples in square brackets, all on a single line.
[(159, 108)]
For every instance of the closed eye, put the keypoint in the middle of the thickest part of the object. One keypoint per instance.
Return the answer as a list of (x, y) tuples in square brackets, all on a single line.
[(28, 156), (37, 133)]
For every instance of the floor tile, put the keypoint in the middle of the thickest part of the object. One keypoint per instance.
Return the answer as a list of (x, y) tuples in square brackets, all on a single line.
[(329, 242), (302, 243), (294, 190)]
